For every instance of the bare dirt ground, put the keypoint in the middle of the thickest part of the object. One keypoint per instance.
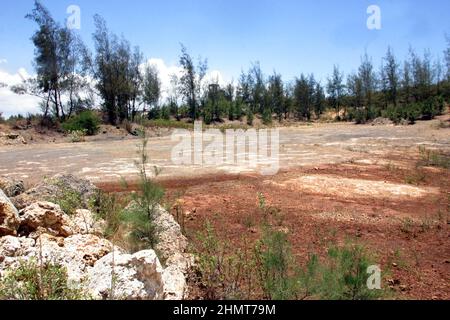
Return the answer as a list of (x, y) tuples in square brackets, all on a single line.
[(336, 182)]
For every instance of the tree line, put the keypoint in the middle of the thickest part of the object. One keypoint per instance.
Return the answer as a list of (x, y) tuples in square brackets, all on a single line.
[(69, 77)]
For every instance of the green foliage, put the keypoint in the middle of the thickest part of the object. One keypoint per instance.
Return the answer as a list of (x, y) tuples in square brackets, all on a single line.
[(190, 81), (222, 274), (165, 113), (57, 57), (275, 265), (250, 117), (270, 271), (208, 113), (432, 107), (31, 281), (434, 158), (140, 215), (68, 199), (163, 123), (344, 276), (363, 115), (107, 207), (151, 86), (86, 121), (267, 117)]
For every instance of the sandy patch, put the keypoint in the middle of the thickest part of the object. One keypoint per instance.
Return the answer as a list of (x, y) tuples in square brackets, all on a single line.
[(350, 188)]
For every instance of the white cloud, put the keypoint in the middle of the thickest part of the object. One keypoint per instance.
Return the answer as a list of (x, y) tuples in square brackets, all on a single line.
[(164, 73), (3, 61), (11, 103)]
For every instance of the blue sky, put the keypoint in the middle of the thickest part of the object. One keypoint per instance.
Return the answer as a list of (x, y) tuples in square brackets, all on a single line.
[(289, 36)]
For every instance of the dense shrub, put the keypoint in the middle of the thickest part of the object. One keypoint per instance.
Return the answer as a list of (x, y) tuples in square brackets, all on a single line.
[(250, 117), (343, 275), (270, 271), (362, 115), (86, 120), (267, 117), (68, 199), (108, 207), (276, 266), (162, 123), (432, 107), (31, 281)]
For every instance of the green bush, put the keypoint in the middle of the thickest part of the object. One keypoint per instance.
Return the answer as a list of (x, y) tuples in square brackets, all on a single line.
[(163, 123), (432, 107), (107, 207), (343, 276), (434, 158), (31, 281), (276, 266), (86, 120), (68, 199), (221, 272), (362, 115), (267, 117), (250, 117)]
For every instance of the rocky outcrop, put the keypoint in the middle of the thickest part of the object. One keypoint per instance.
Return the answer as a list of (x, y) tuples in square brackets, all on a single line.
[(85, 222), (9, 216), (77, 253), (11, 187), (175, 274), (125, 276), (42, 232), (56, 186), (44, 217), (170, 238), (11, 139), (50, 236), (171, 246), (13, 247)]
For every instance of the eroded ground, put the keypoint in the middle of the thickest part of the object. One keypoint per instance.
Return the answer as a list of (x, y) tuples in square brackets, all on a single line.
[(337, 182)]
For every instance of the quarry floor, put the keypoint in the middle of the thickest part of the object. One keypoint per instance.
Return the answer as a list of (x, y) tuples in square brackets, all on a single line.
[(336, 182)]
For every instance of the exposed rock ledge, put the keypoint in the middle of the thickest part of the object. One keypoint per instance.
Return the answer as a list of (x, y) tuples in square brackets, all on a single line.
[(41, 230)]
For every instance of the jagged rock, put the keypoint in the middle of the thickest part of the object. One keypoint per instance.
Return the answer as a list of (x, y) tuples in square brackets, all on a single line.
[(85, 222), (45, 217), (77, 253), (53, 188), (171, 249), (174, 276), (15, 247), (174, 283), (170, 238), (11, 187), (136, 277), (380, 121), (48, 235), (9, 216), (9, 139)]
